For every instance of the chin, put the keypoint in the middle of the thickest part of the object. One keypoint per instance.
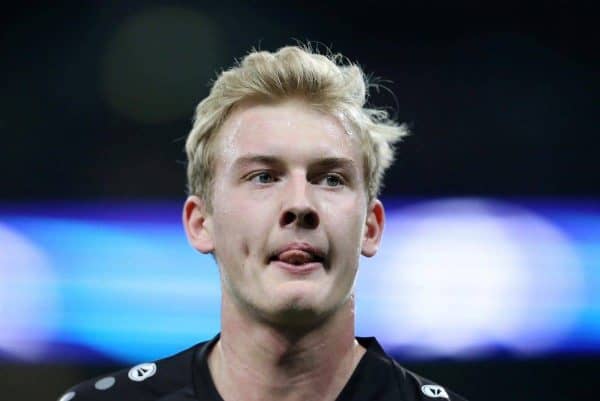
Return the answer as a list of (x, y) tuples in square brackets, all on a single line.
[(297, 296), (295, 317), (297, 310)]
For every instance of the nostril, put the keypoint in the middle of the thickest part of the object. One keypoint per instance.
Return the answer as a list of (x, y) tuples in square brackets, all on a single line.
[(287, 218), (310, 220), (305, 219)]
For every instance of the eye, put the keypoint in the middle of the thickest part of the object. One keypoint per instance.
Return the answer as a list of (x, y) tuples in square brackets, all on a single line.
[(263, 177), (332, 180)]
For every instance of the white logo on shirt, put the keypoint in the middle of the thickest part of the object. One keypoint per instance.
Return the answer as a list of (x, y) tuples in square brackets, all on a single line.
[(434, 391), (142, 371), (67, 397)]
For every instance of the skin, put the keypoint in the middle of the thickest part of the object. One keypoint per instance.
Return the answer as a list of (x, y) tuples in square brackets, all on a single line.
[(286, 176)]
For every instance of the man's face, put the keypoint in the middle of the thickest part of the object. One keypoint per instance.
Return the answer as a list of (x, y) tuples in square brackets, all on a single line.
[(289, 211)]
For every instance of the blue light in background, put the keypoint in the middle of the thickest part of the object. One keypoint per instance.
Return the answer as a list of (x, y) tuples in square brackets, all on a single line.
[(470, 276), (129, 287), (454, 277)]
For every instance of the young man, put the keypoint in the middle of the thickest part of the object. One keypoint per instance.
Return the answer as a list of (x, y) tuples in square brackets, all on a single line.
[(285, 164)]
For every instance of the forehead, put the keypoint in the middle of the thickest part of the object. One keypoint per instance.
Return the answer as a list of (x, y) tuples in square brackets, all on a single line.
[(291, 129)]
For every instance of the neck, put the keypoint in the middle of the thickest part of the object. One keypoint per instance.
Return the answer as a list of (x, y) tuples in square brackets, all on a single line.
[(254, 360)]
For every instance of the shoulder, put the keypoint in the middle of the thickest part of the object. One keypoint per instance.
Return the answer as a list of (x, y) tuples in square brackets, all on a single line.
[(400, 381), (144, 381), (423, 389)]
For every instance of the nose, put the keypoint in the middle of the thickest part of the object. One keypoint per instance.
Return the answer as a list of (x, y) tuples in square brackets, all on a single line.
[(304, 218), (298, 209)]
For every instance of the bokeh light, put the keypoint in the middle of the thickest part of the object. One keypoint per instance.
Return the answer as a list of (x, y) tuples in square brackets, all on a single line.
[(29, 304), (464, 275), (157, 63)]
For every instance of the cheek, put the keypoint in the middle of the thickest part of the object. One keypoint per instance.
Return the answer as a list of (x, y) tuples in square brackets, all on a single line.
[(346, 220), (228, 232), (240, 225)]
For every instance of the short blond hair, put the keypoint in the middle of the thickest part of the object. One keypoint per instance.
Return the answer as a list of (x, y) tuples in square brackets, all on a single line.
[(327, 82)]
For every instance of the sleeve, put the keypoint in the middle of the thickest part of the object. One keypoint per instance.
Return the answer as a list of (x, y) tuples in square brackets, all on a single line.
[(142, 382), (112, 386)]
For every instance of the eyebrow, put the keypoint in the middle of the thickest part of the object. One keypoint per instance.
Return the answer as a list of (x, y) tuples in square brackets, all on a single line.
[(245, 160), (336, 162), (324, 163)]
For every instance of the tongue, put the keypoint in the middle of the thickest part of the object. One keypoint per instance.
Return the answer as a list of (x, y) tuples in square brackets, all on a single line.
[(296, 257)]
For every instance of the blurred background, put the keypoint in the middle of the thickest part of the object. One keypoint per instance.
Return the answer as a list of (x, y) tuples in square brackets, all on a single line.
[(488, 280)]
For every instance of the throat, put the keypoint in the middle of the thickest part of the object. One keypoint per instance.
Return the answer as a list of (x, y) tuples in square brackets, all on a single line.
[(256, 360), (316, 373)]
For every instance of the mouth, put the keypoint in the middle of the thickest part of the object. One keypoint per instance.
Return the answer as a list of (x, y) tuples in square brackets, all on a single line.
[(298, 258)]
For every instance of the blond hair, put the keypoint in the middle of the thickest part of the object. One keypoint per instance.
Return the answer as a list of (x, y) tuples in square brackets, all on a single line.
[(327, 82)]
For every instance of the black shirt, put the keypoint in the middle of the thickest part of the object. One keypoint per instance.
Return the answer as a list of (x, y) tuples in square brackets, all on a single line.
[(186, 377)]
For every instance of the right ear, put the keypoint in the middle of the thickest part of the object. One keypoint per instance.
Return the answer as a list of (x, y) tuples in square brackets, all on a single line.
[(197, 224)]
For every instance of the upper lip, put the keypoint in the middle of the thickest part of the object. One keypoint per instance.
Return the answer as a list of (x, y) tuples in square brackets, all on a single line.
[(299, 246)]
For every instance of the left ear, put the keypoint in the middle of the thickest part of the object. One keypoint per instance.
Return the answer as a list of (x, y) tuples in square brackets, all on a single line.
[(373, 228)]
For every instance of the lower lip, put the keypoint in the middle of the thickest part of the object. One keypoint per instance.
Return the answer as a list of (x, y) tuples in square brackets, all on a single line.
[(302, 269)]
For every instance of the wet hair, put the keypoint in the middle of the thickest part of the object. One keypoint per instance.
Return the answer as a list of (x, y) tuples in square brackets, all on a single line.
[(327, 82)]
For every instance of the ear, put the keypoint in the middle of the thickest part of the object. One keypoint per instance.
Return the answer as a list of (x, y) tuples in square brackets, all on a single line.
[(373, 228), (197, 224)]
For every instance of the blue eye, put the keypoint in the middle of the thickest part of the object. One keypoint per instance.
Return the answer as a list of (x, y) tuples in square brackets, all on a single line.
[(263, 178), (333, 180)]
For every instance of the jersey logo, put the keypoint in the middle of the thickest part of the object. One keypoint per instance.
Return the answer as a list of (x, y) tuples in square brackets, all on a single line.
[(434, 391), (67, 397), (142, 371)]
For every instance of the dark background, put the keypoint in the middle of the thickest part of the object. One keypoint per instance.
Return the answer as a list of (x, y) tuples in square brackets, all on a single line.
[(97, 98)]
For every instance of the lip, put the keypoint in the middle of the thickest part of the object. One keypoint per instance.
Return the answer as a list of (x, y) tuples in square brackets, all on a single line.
[(299, 246), (299, 269)]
